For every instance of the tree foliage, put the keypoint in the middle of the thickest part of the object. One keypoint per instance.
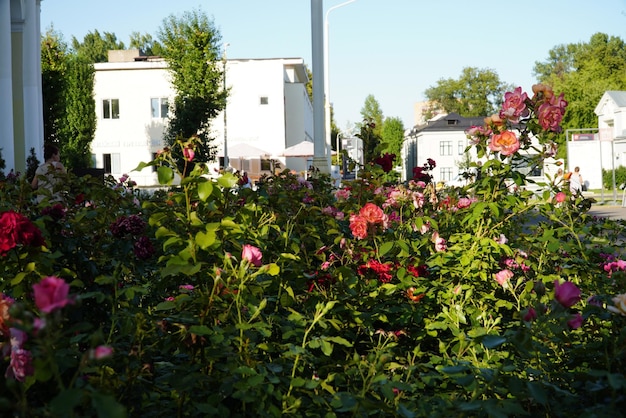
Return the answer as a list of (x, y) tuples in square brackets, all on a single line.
[(69, 111), (477, 92), (146, 44), (192, 48), (584, 71), (79, 124), (54, 58), (95, 47), (392, 136), (371, 112)]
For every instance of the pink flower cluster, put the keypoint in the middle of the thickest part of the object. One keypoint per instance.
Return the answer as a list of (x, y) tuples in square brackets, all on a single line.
[(551, 108), (367, 219), (517, 107)]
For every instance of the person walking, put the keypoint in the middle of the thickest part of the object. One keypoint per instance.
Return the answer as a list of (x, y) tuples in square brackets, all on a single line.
[(576, 182)]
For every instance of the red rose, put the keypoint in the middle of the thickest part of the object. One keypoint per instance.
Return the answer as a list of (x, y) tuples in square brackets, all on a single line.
[(16, 229)]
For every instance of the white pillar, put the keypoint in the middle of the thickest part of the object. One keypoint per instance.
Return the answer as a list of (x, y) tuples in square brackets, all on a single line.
[(6, 87), (320, 160), (33, 106)]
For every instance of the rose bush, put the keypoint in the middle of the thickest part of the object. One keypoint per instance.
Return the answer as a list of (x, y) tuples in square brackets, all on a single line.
[(377, 299)]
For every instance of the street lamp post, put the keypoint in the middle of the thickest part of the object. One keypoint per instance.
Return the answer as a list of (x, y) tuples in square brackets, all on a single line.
[(327, 83), (226, 161)]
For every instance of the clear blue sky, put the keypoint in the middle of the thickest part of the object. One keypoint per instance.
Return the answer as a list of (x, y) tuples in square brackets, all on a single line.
[(392, 49)]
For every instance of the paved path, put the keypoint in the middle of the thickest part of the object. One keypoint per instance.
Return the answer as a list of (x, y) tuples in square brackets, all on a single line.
[(608, 211)]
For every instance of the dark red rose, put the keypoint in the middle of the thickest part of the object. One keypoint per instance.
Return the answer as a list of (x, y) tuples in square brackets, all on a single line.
[(16, 229)]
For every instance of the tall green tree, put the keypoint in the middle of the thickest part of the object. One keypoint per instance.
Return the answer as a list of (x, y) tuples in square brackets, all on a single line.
[(372, 113), (477, 92), (54, 61), (192, 48), (146, 44), (393, 136), (79, 125), (583, 72), (95, 47), (69, 111)]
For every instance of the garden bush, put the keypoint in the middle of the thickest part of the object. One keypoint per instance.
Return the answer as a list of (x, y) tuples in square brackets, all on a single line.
[(380, 298)]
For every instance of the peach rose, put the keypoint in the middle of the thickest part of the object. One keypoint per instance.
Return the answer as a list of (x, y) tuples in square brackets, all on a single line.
[(506, 143)]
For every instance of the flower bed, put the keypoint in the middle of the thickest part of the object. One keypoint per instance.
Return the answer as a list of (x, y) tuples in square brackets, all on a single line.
[(377, 299)]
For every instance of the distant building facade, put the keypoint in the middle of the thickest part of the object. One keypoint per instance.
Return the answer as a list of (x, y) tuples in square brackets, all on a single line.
[(442, 139), (268, 110)]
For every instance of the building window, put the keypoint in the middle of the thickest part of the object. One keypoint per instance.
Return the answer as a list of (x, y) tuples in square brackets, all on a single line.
[(159, 107), (445, 148), (112, 163), (111, 109), (264, 100), (461, 147), (446, 173)]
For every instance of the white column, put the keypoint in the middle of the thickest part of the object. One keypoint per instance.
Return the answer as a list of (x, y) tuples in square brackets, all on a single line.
[(320, 160), (33, 106), (6, 87)]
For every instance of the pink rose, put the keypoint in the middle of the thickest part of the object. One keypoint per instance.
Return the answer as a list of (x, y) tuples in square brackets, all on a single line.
[(101, 352), (566, 293), (530, 315), (514, 105), (551, 113), (188, 154), (440, 243), (576, 321), (252, 254), (503, 276), (51, 294), (372, 213), (21, 364), (560, 197), (358, 226), (506, 142)]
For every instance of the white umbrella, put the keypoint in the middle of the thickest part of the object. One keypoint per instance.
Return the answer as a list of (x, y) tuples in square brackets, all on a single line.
[(301, 149), (244, 150)]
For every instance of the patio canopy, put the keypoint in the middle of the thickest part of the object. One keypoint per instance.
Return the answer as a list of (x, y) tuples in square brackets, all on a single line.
[(301, 149), (244, 150)]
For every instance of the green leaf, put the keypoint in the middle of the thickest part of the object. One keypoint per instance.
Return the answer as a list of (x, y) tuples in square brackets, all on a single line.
[(200, 330), (141, 166), (340, 340), (205, 239), (228, 180), (327, 347), (204, 190), (385, 248), (537, 392), (18, 278), (492, 341), (65, 402), (107, 406), (165, 175)]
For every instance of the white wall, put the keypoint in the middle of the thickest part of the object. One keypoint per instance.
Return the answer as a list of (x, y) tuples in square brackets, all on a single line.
[(285, 120), (135, 135)]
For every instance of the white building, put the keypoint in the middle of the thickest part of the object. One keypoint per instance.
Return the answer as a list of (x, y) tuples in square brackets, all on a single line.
[(268, 110), (442, 139), (21, 109)]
